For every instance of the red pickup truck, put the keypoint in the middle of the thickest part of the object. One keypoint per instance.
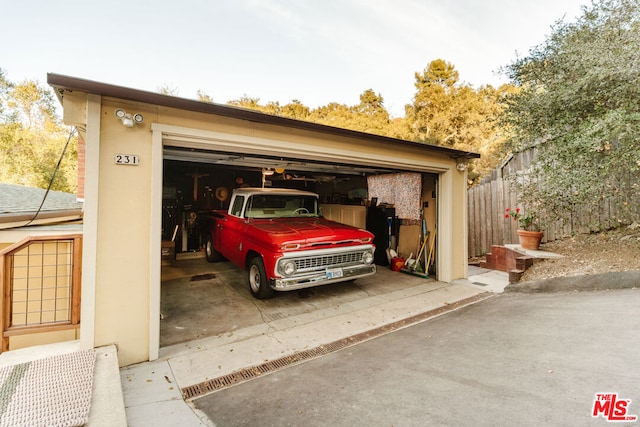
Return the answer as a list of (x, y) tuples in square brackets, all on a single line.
[(281, 239)]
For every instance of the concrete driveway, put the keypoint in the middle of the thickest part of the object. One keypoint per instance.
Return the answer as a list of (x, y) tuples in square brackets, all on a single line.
[(257, 337), (515, 359)]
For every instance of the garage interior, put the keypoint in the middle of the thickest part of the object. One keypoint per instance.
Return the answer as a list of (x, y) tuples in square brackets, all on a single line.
[(200, 300)]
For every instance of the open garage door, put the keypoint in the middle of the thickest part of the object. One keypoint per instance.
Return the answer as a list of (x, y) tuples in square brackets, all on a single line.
[(196, 180)]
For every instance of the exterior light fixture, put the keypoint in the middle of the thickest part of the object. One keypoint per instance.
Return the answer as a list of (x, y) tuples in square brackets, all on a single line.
[(461, 162), (127, 119)]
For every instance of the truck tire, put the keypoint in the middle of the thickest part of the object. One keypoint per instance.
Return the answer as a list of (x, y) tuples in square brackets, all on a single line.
[(258, 280), (211, 254)]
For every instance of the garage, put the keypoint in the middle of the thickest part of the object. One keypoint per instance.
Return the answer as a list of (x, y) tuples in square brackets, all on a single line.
[(182, 157), (199, 300)]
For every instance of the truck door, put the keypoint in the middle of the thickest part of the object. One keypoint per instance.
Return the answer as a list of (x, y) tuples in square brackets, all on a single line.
[(229, 234)]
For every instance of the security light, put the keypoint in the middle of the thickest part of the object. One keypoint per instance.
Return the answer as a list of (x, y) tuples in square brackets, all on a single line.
[(127, 119)]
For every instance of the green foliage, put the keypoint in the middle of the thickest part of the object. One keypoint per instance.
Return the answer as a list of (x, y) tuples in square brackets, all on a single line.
[(333, 114), (32, 103), (169, 90), (32, 138), (295, 110), (369, 115), (247, 102), (579, 104), (446, 112), (203, 97), (526, 221), (4, 88)]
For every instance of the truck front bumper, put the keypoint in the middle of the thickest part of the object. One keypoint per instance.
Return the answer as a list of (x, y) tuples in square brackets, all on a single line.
[(317, 278)]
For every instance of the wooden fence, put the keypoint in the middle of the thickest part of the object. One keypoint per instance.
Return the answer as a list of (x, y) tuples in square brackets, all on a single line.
[(487, 203), (40, 287)]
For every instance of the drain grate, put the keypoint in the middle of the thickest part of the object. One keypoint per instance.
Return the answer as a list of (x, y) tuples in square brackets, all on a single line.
[(234, 378), (276, 316)]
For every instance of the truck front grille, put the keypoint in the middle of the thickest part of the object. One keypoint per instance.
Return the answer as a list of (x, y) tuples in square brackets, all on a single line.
[(324, 261)]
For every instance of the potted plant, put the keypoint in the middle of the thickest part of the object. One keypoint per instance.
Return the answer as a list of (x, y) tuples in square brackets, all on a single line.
[(528, 228)]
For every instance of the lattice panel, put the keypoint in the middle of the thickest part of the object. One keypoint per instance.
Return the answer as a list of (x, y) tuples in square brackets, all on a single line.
[(42, 277)]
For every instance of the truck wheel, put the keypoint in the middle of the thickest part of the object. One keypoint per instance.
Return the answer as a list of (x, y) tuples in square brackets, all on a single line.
[(258, 281), (211, 254)]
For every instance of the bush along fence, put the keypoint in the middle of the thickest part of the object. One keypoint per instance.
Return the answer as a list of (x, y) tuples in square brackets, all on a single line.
[(487, 204)]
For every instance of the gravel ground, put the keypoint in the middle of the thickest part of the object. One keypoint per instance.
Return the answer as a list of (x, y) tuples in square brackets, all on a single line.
[(614, 250)]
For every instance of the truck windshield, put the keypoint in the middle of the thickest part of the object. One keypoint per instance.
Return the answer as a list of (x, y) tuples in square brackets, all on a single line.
[(281, 206)]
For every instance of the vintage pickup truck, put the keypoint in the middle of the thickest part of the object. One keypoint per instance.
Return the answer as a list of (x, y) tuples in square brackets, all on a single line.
[(280, 238)]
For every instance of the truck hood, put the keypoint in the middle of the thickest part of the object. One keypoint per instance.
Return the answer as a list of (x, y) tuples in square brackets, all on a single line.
[(308, 231)]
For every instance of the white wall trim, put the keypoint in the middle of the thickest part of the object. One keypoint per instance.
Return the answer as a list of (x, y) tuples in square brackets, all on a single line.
[(465, 213), (155, 245), (90, 222), (233, 143), (445, 224)]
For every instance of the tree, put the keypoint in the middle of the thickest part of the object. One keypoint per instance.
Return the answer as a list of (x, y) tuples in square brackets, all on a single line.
[(32, 139), (370, 115), (446, 112), (4, 89), (166, 89), (332, 114), (246, 101), (435, 93), (579, 104), (295, 110), (32, 103), (203, 97)]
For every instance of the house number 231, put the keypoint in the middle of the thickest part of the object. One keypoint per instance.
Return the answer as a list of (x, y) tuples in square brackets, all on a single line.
[(127, 159)]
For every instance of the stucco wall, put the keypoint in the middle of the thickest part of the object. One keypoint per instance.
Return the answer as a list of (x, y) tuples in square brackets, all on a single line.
[(459, 226), (42, 338), (124, 209)]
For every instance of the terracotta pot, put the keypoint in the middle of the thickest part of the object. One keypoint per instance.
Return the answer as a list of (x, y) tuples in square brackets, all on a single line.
[(530, 239)]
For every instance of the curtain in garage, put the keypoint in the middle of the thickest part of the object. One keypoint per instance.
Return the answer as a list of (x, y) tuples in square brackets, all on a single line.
[(402, 190)]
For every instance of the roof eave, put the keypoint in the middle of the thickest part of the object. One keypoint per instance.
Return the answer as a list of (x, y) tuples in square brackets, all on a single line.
[(16, 220), (62, 82)]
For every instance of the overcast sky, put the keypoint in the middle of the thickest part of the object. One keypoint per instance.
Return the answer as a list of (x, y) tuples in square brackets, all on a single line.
[(316, 51)]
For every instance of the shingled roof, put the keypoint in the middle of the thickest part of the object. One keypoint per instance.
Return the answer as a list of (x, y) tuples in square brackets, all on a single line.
[(18, 204)]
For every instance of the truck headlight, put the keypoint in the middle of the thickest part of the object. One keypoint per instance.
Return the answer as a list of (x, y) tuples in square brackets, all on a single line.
[(288, 268), (367, 257)]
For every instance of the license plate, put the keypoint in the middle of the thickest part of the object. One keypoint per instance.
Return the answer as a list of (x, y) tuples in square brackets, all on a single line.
[(334, 273)]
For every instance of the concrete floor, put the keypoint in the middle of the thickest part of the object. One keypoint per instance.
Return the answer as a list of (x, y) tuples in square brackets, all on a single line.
[(201, 300)]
